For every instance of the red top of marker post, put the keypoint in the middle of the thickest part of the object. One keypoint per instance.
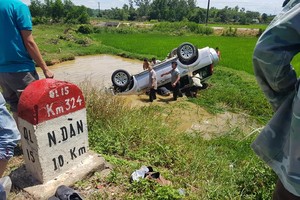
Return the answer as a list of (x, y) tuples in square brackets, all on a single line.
[(47, 99)]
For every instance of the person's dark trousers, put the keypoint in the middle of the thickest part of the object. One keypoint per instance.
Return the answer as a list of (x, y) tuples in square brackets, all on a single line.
[(2, 193), (152, 94), (176, 91), (194, 91), (280, 193)]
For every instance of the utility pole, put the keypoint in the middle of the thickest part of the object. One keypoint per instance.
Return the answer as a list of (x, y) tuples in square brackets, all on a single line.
[(99, 9), (207, 11)]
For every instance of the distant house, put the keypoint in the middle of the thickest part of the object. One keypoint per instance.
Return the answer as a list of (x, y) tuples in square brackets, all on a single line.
[(255, 21), (112, 24)]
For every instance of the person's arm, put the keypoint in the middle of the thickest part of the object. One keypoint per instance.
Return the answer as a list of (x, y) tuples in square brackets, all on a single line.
[(273, 55), (34, 52), (178, 78), (163, 74), (152, 82)]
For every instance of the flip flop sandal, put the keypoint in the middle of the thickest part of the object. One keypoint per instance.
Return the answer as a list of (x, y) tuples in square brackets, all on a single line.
[(158, 178), (65, 193), (140, 173)]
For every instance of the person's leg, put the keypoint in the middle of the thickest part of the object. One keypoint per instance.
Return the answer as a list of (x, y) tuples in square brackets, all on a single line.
[(179, 92), (280, 193), (2, 193), (5, 187), (154, 93), (151, 95), (195, 91), (9, 135), (175, 93), (3, 164)]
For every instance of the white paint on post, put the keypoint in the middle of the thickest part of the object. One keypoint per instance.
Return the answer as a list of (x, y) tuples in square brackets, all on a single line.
[(53, 125)]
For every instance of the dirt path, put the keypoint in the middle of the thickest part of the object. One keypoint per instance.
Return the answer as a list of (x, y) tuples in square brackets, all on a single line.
[(239, 31), (194, 118)]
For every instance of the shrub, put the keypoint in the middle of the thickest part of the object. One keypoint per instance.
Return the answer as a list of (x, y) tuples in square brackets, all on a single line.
[(230, 32), (182, 27), (260, 31), (39, 20), (85, 29)]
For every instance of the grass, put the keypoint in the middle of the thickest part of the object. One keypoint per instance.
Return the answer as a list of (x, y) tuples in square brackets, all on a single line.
[(238, 91), (224, 167), (234, 54), (60, 43)]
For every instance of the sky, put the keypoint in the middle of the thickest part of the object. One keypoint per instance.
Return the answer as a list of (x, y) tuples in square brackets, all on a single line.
[(262, 6)]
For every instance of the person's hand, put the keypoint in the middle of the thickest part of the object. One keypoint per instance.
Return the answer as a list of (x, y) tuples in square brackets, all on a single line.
[(48, 73), (173, 84)]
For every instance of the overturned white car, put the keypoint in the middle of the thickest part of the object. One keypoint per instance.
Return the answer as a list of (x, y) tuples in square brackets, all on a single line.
[(190, 60)]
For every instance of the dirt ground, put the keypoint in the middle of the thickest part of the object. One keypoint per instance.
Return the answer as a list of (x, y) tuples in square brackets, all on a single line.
[(194, 118), (239, 31)]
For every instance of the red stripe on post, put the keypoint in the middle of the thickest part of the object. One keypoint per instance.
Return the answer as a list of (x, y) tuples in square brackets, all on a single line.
[(47, 99)]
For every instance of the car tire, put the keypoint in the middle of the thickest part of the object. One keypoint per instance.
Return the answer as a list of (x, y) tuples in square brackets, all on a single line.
[(187, 53), (120, 78)]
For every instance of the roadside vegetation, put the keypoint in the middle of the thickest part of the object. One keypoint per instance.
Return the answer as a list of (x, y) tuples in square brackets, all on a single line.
[(145, 10), (223, 167), (64, 42)]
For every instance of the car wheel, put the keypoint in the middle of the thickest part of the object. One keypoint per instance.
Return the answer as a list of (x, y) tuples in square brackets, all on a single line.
[(187, 53), (120, 78)]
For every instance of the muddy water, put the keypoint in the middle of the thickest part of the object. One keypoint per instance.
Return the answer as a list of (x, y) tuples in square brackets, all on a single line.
[(97, 69)]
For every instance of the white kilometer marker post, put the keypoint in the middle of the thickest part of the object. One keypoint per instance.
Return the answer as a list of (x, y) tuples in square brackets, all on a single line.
[(53, 126)]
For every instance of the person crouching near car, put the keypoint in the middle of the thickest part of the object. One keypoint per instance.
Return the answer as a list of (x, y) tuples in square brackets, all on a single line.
[(175, 80), (152, 84), (195, 84), (146, 64)]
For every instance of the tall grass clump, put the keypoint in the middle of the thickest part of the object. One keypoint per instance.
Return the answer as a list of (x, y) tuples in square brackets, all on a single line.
[(133, 133), (182, 27), (113, 30), (230, 32)]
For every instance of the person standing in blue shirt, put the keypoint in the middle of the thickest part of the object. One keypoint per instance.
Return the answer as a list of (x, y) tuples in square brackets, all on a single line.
[(279, 142), (18, 52), (18, 55)]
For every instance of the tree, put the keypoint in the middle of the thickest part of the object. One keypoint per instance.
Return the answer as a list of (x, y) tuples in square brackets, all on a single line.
[(143, 9), (36, 8), (68, 5), (159, 10), (57, 11), (48, 8), (132, 14), (222, 15), (83, 17), (264, 18), (77, 14)]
